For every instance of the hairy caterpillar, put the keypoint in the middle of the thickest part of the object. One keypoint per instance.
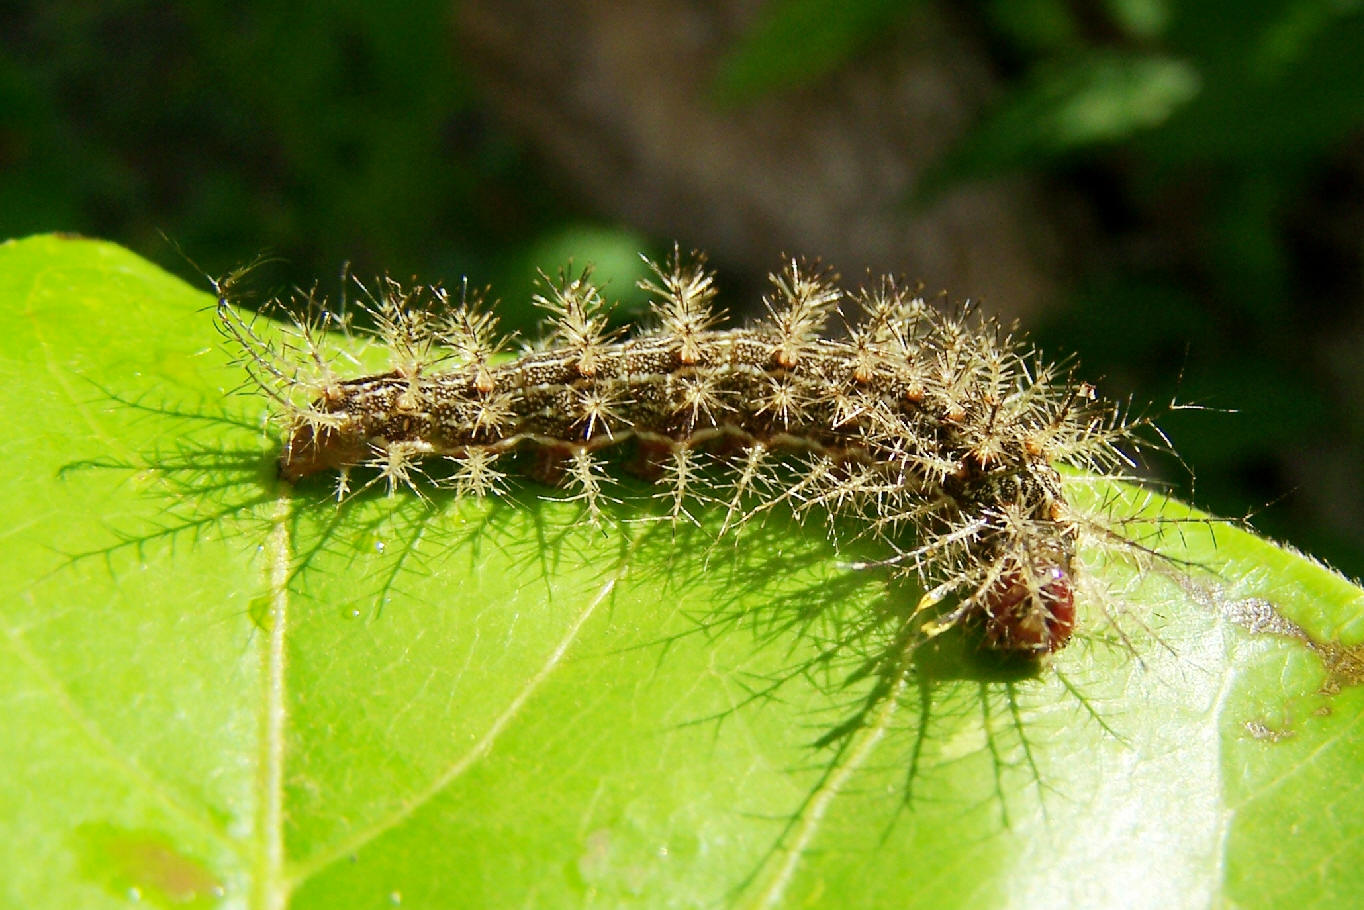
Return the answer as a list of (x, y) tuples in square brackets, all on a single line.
[(928, 426)]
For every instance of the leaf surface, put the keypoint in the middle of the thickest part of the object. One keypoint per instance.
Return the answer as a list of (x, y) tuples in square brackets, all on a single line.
[(221, 691)]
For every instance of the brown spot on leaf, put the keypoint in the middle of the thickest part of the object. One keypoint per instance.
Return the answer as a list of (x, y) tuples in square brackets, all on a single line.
[(146, 863)]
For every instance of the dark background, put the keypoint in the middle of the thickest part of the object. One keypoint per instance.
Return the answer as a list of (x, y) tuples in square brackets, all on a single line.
[(1173, 189)]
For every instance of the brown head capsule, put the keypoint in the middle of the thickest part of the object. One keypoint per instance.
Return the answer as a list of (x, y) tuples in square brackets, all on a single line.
[(1031, 610)]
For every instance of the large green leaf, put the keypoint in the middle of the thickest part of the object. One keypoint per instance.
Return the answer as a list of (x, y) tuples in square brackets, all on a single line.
[(220, 690)]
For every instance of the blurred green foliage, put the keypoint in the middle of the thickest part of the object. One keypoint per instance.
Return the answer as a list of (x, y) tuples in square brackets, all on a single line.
[(318, 133), (1216, 143), (799, 42)]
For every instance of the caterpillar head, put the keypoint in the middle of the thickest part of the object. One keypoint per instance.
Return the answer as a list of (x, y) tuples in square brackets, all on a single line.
[(1030, 607), (1026, 598)]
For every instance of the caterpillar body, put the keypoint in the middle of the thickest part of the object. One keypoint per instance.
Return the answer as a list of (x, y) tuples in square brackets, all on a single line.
[(925, 425)]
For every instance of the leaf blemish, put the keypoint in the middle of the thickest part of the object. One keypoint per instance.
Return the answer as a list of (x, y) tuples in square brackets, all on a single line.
[(146, 866)]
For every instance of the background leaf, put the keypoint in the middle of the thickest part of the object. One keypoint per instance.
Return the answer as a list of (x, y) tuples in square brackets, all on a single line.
[(220, 691), (1090, 100), (798, 42)]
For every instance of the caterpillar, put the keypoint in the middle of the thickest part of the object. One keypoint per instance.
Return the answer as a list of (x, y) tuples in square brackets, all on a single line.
[(921, 423)]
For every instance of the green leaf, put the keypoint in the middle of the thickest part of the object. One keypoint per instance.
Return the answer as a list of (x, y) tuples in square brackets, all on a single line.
[(796, 42), (1070, 106), (1277, 94), (217, 690)]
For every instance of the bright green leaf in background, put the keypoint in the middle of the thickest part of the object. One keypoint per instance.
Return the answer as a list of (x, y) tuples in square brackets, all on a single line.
[(1095, 99), (220, 691)]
